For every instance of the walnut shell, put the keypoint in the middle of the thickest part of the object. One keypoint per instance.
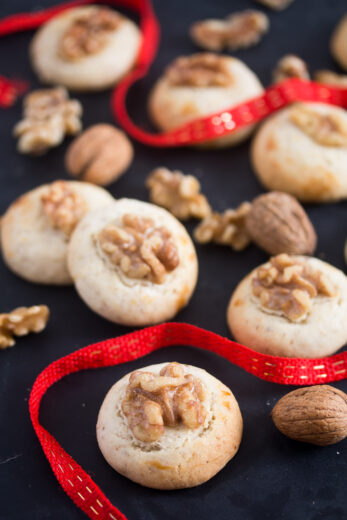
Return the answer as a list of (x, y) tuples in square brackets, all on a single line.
[(99, 155), (315, 414), (279, 224)]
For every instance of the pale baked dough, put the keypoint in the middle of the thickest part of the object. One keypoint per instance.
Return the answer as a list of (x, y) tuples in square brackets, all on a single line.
[(338, 43), (116, 297), (322, 333), (286, 159), (95, 72), (173, 106), (182, 457), (31, 247)]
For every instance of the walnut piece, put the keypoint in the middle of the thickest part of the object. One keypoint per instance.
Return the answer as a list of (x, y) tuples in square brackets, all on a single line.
[(325, 129), (238, 31), (331, 78), (178, 193), (139, 248), (278, 5), (89, 33), (20, 322), (63, 206), (199, 70), (49, 115), (226, 228), (287, 286), (153, 402), (290, 66)]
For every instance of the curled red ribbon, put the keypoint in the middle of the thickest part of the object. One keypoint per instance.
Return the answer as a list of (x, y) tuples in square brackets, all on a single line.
[(73, 479)]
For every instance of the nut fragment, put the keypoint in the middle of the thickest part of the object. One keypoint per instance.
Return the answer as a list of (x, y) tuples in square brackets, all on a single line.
[(325, 129), (99, 155), (49, 114), (153, 402), (22, 321), (63, 206), (139, 248), (290, 66), (287, 286), (277, 223), (178, 193), (278, 5), (240, 30), (88, 33), (226, 228), (331, 78), (316, 414), (199, 70)]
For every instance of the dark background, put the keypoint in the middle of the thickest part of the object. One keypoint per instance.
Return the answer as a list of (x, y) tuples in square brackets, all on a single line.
[(271, 477)]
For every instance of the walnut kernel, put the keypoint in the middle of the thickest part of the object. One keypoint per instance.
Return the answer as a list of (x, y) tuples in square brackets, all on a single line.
[(199, 70), (290, 66), (153, 402), (22, 321), (325, 129), (278, 5), (140, 249), (63, 206), (88, 33), (227, 228), (287, 286), (331, 78), (178, 193), (49, 114)]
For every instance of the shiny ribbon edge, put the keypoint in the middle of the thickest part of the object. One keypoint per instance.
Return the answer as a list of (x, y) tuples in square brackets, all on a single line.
[(74, 480)]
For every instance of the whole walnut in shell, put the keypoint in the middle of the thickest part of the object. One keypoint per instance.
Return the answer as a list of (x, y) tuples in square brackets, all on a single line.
[(279, 224), (99, 155), (315, 414)]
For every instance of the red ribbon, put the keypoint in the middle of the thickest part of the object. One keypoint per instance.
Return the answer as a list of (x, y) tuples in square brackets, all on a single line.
[(73, 479), (212, 126)]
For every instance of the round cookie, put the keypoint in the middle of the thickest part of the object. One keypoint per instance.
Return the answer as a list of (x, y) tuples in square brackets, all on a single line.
[(338, 43), (199, 85), (181, 457), (134, 279), (302, 150), (320, 332), (85, 48), (36, 228)]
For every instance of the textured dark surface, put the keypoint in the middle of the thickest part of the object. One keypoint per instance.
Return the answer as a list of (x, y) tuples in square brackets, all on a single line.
[(271, 477)]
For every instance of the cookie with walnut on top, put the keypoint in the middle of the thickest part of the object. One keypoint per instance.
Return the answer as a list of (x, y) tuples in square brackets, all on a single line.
[(85, 48), (133, 263)]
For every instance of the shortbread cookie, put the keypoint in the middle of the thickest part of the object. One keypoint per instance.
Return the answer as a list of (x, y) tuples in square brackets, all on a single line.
[(302, 150), (292, 306), (85, 48), (133, 263), (36, 228), (169, 426), (338, 43), (199, 85)]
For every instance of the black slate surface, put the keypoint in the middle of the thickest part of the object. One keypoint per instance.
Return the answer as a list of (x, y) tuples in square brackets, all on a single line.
[(271, 477)]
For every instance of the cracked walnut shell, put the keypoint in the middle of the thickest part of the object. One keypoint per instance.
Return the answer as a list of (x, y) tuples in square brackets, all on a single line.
[(20, 322), (100, 155), (315, 414), (178, 193)]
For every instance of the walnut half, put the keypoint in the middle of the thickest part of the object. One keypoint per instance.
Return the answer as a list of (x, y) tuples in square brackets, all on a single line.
[(199, 70), (325, 129), (140, 249), (178, 193), (287, 287), (22, 321), (153, 402)]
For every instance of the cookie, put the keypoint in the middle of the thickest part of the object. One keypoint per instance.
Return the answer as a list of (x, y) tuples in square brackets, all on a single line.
[(133, 263), (199, 85), (169, 426), (36, 229), (85, 48), (338, 43), (302, 150), (292, 306)]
